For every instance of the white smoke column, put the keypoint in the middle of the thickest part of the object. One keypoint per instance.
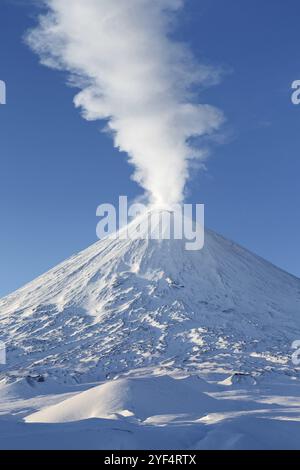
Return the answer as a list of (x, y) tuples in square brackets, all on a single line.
[(131, 73)]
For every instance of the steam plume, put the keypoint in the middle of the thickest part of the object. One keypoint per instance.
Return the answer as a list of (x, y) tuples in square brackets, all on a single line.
[(134, 75)]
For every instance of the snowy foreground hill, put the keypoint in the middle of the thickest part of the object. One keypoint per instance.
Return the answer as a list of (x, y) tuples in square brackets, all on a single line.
[(142, 344)]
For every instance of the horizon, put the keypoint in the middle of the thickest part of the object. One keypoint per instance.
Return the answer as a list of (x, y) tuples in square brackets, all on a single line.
[(57, 168)]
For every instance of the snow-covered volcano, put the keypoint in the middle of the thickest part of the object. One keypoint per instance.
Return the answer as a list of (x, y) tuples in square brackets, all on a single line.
[(125, 304), (142, 344)]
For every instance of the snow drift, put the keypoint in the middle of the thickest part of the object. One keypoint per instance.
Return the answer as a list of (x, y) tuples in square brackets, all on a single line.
[(140, 398)]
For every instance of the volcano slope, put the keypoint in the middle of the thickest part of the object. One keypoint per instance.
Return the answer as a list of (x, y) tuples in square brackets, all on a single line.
[(135, 316)]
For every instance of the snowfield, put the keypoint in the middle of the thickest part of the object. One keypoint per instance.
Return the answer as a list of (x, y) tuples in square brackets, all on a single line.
[(149, 409), (142, 344)]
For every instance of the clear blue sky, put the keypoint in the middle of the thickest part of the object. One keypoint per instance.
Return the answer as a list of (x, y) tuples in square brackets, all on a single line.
[(55, 168)]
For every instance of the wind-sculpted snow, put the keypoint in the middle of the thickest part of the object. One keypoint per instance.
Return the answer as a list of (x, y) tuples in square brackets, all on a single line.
[(123, 304), (153, 409)]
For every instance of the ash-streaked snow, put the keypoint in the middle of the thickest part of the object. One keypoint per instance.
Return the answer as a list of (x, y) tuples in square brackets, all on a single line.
[(142, 344)]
